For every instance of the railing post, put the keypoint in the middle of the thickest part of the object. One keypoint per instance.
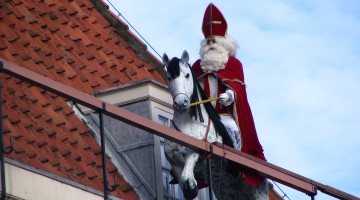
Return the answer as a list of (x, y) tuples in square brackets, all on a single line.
[(209, 174), (312, 196), (2, 165), (2, 143), (102, 138), (107, 189)]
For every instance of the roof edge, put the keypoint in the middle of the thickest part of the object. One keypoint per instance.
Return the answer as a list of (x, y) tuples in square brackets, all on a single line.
[(144, 81), (123, 30)]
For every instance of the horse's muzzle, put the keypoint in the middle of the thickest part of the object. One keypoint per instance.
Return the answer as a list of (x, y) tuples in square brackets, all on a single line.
[(181, 103)]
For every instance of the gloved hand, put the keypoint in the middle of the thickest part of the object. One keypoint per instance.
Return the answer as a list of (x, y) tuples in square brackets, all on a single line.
[(226, 98)]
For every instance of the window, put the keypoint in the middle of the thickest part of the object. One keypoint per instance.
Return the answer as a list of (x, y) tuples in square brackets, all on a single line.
[(170, 191)]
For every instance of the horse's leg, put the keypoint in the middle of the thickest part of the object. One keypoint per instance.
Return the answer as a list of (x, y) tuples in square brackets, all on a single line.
[(190, 188), (182, 159), (261, 192)]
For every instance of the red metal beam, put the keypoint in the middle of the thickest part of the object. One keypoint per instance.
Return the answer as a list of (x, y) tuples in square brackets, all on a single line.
[(271, 171)]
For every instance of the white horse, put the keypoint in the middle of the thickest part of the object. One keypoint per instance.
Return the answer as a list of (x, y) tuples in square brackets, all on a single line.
[(203, 123)]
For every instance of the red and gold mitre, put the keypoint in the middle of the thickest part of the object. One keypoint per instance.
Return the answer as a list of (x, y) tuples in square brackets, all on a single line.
[(214, 23)]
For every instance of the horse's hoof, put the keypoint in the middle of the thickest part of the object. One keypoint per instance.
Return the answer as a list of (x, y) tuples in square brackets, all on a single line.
[(190, 193)]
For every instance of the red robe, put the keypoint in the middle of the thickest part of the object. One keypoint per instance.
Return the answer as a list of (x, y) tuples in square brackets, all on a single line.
[(232, 76)]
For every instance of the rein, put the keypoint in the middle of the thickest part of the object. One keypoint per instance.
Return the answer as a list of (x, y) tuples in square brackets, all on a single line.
[(195, 110)]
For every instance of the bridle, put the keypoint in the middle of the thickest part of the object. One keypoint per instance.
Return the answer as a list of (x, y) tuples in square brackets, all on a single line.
[(182, 94), (194, 103)]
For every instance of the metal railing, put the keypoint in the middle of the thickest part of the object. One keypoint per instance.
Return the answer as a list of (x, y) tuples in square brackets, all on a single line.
[(264, 168)]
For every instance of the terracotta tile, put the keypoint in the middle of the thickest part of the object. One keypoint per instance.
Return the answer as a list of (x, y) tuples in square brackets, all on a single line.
[(6, 9), (68, 41), (11, 35), (17, 2), (3, 45)]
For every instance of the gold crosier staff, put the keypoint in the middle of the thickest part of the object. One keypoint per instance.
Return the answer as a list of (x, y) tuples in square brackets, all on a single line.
[(204, 101)]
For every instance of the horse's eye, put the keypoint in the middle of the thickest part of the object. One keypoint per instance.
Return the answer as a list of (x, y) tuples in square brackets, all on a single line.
[(187, 75)]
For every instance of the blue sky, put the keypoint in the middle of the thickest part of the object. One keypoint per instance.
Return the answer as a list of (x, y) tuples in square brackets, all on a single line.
[(302, 69)]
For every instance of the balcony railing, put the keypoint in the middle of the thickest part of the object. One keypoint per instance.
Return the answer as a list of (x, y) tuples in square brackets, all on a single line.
[(266, 169)]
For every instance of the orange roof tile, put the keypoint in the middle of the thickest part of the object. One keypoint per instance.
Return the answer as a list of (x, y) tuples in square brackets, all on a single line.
[(72, 42)]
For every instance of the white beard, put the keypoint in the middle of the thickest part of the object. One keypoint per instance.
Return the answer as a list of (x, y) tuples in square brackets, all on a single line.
[(213, 58)]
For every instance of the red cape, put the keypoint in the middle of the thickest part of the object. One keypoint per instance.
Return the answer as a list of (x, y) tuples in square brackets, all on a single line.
[(233, 77)]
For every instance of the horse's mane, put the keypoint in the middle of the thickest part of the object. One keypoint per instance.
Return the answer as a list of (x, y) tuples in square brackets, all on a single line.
[(173, 67)]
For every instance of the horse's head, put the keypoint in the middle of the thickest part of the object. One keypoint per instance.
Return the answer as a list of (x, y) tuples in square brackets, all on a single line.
[(180, 80)]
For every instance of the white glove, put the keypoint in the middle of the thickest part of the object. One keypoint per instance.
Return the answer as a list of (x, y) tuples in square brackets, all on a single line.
[(226, 98)]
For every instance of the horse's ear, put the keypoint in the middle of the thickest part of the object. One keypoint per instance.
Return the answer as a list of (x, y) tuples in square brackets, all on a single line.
[(185, 57), (165, 59)]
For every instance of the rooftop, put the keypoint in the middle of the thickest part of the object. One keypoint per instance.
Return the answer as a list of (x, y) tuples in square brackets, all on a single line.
[(79, 43)]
